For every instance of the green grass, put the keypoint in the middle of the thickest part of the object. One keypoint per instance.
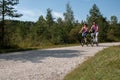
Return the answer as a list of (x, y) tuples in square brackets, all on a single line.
[(35, 48), (14, 50), (105, 65), (56, 46)]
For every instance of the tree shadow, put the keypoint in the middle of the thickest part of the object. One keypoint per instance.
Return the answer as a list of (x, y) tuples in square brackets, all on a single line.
[(36, 56)]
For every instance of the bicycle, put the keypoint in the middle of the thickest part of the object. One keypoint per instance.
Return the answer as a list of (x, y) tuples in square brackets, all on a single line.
[(83, 42), (93, 40)]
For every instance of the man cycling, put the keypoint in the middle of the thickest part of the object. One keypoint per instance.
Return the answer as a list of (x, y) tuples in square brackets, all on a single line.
[(94, 32)]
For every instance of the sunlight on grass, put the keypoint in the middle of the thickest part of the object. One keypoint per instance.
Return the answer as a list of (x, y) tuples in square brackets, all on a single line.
[(105, 65)]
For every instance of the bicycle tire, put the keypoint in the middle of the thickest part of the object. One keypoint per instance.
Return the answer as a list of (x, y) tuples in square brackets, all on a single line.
[(92, 43), (82, 42)]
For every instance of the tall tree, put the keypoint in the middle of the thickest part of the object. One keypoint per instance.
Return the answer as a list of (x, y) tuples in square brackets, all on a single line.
[(41, 23), (49, 22), (68, 18), (41, 28), (49, 17), (68, 15), (7, 9), (94, 14)]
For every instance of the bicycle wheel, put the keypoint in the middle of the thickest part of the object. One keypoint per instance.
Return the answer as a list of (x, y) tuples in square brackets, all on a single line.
[(96, 43), (92, 43), (82, 42)]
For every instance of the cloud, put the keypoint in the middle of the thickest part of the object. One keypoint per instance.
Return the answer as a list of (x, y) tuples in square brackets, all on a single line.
[(58, 15), (33, 15), (29, 15)]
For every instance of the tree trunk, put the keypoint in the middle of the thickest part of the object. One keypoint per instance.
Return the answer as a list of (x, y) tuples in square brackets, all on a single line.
[(2, 26)]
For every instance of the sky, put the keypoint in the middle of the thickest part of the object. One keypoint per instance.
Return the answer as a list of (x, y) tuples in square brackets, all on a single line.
[(33, 9)]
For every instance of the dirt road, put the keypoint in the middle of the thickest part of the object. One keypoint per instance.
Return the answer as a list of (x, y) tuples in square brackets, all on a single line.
[(49, 64)]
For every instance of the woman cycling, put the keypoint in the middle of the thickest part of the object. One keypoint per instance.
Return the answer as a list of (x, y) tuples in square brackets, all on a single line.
[(94, 31), (84, 31)]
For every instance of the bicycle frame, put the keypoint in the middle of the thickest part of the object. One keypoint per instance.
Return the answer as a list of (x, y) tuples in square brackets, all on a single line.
[(93, 39)]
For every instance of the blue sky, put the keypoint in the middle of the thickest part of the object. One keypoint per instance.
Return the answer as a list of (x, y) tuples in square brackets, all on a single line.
[(32, 9)]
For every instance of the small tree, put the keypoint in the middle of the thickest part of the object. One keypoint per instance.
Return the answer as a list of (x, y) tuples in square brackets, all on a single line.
[(113, 31), (114, 20), (6, 9)]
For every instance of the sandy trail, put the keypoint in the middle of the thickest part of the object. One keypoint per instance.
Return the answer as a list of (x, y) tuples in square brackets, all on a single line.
[(48, 64)]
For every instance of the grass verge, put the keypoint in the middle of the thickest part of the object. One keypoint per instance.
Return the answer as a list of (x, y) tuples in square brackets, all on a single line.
[(3, 51), (105, 65), (35, 48)]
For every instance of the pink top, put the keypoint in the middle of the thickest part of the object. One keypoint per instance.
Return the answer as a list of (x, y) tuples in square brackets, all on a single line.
[(85, 29), (95, 28)]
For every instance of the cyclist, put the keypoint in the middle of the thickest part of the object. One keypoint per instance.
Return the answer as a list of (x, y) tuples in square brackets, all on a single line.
[(84, 31), (94, 32)]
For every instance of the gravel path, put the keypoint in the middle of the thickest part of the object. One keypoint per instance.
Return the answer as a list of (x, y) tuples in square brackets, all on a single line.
[(49, 64)]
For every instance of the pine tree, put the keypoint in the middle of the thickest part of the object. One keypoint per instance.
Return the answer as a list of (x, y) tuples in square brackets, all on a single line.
[(68, 15), (6, 9), (113, 31), (68, 18), (114, 20), (49, 17), (94, 14)]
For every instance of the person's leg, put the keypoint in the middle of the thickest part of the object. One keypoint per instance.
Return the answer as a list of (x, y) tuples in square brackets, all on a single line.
[(92, 39), (92, 36), (84, 37), (96, 37)]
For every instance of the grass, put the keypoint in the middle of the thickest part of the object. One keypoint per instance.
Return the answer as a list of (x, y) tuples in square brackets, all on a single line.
[(14, 50), (2, 51), (105, 65), (56, 46)]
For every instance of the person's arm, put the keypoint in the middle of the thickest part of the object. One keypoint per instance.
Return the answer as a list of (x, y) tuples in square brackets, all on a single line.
[(81, 30), (90, 29)]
